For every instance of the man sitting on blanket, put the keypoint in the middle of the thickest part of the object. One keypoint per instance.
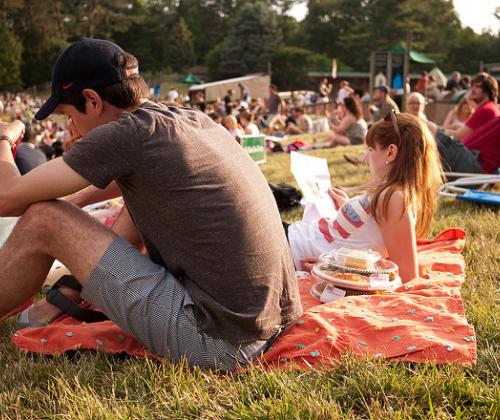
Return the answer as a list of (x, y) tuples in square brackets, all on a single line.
[(217, 284)]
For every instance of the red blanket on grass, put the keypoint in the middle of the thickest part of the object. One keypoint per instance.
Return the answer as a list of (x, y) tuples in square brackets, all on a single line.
[(422, 321)]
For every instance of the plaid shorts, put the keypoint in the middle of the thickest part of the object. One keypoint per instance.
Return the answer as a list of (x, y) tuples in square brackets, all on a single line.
[(149, 302)]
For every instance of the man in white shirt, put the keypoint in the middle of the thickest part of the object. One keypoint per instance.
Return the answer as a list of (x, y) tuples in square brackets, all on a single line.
[(172, 96)]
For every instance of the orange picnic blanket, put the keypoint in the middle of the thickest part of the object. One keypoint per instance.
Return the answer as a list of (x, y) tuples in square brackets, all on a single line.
[(422, 321)]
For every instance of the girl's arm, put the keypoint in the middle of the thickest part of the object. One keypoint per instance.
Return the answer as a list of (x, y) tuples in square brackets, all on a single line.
[(334, 119), (398, 231)]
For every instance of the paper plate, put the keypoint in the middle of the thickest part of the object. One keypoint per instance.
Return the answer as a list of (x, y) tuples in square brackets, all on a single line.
[(380, 267), (328, 276)]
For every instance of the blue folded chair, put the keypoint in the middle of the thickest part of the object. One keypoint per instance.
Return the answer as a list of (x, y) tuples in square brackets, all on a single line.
[(461, 189), (480, 197)]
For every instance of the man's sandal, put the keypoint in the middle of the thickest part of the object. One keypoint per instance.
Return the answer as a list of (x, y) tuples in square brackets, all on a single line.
[(22, 321), (67, 306)]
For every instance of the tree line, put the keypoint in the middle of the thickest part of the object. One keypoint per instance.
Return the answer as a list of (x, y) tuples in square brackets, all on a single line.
[(236, 37)]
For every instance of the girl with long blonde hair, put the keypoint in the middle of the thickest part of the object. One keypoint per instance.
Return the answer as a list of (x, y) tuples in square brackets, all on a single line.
[(458, 115), (395, 212)]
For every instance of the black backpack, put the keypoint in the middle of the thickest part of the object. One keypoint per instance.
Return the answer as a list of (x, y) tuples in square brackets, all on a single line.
[(286, 196)]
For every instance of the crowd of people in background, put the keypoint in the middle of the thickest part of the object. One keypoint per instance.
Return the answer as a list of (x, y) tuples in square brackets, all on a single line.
[(43, 140), (469, 138), (344, 116)]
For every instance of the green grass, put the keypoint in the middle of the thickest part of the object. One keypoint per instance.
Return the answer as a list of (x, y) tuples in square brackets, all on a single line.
[(102, 386)]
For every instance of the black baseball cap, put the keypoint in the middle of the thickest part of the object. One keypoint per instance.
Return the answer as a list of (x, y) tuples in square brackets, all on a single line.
[(86, 64)]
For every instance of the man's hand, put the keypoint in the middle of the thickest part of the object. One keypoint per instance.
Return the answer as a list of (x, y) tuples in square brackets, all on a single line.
[(13, 130), (71, 136)]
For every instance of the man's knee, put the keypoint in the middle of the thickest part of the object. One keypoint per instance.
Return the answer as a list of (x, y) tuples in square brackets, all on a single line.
[(40, 219)]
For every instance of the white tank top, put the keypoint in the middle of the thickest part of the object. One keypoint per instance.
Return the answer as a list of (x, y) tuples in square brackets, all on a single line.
[(353, 226)]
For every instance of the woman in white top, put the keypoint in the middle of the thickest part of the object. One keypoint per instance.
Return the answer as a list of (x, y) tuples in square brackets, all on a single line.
[(230, 123), (406, 172), (246, 121), (458, 115)]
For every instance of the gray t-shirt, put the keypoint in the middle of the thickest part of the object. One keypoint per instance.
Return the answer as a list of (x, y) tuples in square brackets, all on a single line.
[(273, 104), (204, 210)]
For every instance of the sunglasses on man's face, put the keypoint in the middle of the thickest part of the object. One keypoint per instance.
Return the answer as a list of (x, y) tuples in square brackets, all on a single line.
[(391, 116)]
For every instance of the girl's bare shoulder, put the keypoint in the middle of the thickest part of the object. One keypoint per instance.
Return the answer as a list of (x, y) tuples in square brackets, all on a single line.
[(395, 196)]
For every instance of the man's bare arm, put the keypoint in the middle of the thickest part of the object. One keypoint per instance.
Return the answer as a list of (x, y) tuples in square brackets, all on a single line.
[(51, 180)]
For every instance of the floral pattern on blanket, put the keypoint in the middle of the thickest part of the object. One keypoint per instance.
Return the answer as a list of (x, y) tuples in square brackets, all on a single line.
[(422, 321)]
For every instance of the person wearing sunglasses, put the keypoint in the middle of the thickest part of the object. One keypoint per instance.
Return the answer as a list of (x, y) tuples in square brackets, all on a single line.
[(398, 207)]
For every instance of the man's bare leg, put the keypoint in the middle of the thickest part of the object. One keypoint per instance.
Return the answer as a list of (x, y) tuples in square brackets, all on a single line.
[(44, 311), (48, 231)]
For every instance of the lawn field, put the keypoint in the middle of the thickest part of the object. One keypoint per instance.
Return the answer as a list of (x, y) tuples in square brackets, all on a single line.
[(105, 387)]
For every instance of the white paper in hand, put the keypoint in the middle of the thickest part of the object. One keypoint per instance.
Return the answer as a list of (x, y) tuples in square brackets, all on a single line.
[(313, 178)]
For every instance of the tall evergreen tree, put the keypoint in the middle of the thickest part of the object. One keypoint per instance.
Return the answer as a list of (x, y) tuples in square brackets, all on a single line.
[(206, 23), (98, 18), (179, 45), (145, 38), (291, 31), (38, 27), (253, 37)]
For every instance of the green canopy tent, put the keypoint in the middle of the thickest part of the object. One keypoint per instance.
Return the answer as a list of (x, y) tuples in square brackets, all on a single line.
[(415, 56), (418, 57), (190, 79), (394, 64)]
